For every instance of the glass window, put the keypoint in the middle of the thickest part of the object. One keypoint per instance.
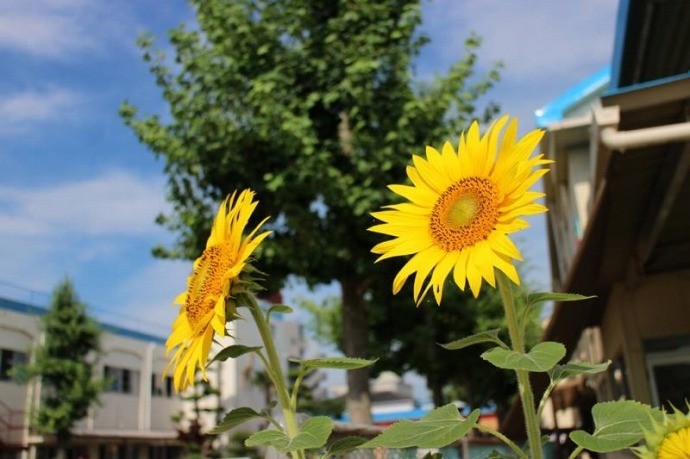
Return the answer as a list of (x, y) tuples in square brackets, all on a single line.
[(10, 359), (122, 380), (161, 387), (669, 374)]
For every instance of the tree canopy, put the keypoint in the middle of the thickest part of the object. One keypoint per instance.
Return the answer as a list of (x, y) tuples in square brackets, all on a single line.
[(65, 363), (314, 105)]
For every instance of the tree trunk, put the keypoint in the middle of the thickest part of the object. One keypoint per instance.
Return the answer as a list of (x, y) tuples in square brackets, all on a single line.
[(356, 344)]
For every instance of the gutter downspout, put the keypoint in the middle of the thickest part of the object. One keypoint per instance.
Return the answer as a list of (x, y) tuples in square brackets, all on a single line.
[(614, 139)]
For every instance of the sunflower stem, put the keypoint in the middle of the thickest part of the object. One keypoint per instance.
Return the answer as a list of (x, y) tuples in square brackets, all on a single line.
[(275, 371), (524, 385)]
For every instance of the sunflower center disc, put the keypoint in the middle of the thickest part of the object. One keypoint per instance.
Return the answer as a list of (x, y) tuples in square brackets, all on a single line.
[(464, 214), (462, 211), (206, 283)]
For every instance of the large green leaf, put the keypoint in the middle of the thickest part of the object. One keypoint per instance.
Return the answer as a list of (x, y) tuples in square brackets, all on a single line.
[(312, 434), (577, 368), (542, 357), (438, 428), (489, 336), (344, 446), (617, 425), (235, 418), (234, 351), (338, 363), (540, 297)]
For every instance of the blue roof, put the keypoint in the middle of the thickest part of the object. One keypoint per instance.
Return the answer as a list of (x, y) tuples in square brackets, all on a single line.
[(39, 311), (555, 110), (415, 413)]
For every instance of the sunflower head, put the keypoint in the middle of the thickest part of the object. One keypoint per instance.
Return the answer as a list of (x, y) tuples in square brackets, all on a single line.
[(668, 439), (461, 207), (205, 306)]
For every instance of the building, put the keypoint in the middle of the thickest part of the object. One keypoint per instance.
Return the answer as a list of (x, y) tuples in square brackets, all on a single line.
[(134, 417), (619, 200)]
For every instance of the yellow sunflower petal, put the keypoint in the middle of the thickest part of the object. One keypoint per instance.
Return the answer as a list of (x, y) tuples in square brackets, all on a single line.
[(461, 208)]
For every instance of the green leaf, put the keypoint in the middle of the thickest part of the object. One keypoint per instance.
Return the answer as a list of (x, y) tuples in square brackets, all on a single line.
[(312, 434), (233, 351), (540, 297), (271, 437), (338, 363), (344, 446), (577, 368), (280, 308), (235, 418), (542, 357), (489, 336), (617, 426), (437, 429)]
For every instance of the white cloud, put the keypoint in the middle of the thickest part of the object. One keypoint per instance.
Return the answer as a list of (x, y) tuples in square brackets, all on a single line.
[(63, 29), (114, 203), (536, 40), (20, 111), (49, 231)]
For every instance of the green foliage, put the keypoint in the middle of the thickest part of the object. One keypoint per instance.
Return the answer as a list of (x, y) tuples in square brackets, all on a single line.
[(236, 417), (542, 357), (313, 105), (489, 336), (335, 363), (65, 363), (407, 338), (618, 425), (436, 429), (194, 435), (233, 351), (572, 368), (312, 434), (343, 446)]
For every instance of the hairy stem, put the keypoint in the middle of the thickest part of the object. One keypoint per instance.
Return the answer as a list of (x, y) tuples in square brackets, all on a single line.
[(524, 385), (275, 371)]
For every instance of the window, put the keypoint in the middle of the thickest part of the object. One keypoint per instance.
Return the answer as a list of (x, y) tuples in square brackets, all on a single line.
[(669, 374), (10, 359), (161, 387), (122, 380)]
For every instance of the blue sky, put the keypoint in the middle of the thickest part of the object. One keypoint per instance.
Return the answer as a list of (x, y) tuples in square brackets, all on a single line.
[(79, 194)]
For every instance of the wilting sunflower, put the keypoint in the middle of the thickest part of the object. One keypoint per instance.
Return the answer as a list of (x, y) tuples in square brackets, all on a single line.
[(669, 439), (462, 207), (203, 304)]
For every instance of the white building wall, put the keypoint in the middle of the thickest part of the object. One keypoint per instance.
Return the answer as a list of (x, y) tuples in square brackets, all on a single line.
[(138, 413)]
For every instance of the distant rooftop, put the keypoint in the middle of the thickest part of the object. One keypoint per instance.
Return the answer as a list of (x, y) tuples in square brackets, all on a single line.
[(34, 310), (560, 107)]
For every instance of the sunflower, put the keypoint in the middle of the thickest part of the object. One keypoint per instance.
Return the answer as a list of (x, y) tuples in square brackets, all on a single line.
[(462, 207), (669, 439), (202, 312)]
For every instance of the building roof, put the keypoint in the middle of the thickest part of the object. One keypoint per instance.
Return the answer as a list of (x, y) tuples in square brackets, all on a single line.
[(589, 87), (34, 310), (651, 43)]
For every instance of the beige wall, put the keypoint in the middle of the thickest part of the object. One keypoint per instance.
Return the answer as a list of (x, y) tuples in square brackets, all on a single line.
[(655, 307)]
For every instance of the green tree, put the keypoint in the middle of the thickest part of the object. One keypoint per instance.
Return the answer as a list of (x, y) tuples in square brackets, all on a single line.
[(406, 338), (312, 103), (65, 363), (190, 430)]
